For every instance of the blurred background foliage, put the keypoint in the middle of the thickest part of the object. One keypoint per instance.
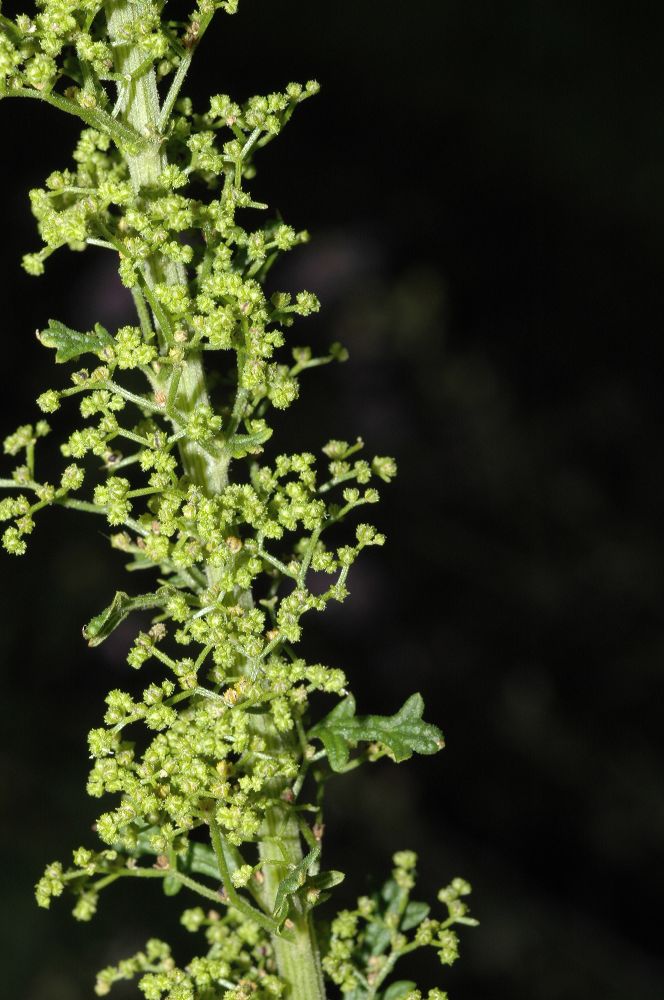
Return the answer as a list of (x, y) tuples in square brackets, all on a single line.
[(485, 187)]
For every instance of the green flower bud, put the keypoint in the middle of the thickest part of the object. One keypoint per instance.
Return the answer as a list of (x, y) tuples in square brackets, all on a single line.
[(72, 478), (13, 542), (49, 401)]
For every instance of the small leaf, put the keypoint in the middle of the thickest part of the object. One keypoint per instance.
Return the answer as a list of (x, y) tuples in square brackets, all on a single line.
[(200, 860), (393, 894), (378, 938), (143, 844), (414, 915), (122, 605), (325, 880), (241, 445), (320, 883), (397, 991), (402, 734), (70, 344), (171, 886), (293, 882)]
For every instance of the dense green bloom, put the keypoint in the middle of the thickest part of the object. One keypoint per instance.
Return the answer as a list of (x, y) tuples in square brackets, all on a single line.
[(218, 758)]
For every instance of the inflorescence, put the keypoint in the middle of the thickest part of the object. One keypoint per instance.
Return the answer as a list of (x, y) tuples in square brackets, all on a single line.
[(226, 743)]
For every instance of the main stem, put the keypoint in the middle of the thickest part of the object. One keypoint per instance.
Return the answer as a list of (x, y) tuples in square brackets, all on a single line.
[(298, 959)]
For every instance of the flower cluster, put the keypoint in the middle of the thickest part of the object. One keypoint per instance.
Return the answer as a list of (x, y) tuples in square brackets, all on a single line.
[(366, 943), (238, 965), (21, 508), (217, 759)]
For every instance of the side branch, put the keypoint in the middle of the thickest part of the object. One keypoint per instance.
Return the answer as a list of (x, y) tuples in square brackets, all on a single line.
[(122, 134)]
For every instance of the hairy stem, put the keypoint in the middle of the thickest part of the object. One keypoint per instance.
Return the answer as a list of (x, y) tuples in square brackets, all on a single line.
[(299, 959), (139, 101), (298, 955)]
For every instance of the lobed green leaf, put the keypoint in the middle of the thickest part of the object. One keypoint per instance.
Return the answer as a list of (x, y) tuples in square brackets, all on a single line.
[(70, 344), (403, 734)]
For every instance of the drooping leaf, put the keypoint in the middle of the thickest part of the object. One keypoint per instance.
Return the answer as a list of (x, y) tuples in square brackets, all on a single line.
[(70, 344), (293, 882), (402, 734), (122, 605)]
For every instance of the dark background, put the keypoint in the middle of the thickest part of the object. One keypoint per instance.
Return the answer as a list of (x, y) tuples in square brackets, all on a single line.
[(485, 187)]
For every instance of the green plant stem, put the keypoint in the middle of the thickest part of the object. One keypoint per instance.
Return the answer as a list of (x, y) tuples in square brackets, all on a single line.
[(140, 100), (298, 959), (280, 848), (234, 898), (185, 880)]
